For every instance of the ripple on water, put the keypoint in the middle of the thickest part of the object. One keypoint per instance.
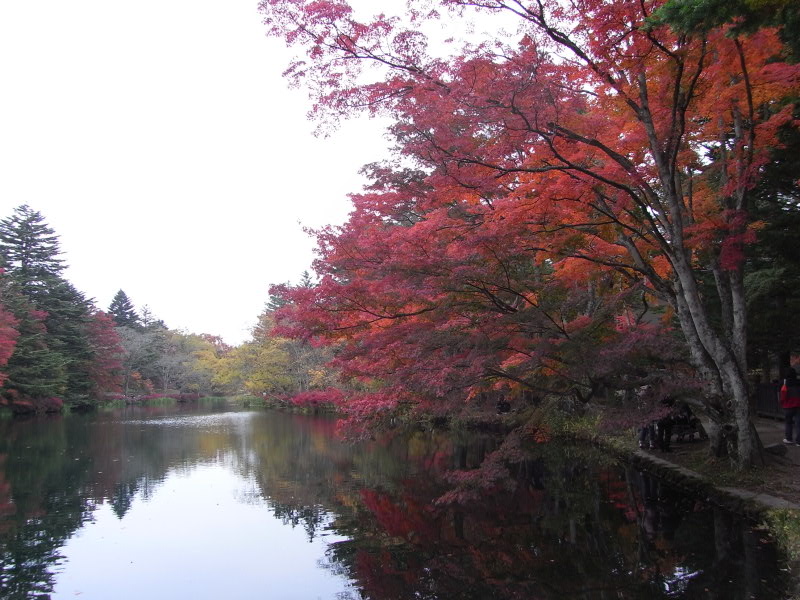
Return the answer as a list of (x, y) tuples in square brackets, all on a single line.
[(199, 421)]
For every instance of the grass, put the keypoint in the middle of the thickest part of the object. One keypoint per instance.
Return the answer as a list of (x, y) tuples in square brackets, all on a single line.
[(212, 399), (720, 472), (246, 400), (159, 401), (785, 526)]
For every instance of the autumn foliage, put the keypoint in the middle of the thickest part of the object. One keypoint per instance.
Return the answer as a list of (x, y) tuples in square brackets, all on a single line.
[(8, 339), (105, 370), (548, 191), (54, 345)]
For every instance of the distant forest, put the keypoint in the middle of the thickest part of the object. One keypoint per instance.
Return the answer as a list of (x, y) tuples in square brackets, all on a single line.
[(58, 348)]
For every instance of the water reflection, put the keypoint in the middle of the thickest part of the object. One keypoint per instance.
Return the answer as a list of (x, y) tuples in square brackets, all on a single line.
[(272, 505)]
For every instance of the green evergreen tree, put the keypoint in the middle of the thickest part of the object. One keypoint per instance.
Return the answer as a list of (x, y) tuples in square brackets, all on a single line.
[(276, 299), (277, 293), (30, 251), (123, 312), (149, 321), (53, 352), (305, 280), (772, 279), (697, 17), (34, 369), (67, 322)]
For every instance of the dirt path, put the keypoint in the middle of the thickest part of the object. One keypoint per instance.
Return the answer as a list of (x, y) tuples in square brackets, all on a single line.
[(775, 484)]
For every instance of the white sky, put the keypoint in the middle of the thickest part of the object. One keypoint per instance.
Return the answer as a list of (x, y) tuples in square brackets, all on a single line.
[(159, 139)]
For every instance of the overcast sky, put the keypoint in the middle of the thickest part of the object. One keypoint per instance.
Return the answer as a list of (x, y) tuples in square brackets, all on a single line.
[(161, 143)]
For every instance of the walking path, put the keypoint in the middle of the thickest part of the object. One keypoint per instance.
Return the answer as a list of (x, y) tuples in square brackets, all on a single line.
[(771, 433)]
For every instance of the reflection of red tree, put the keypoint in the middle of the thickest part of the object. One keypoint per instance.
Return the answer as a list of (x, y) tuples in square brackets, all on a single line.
[(407, 519), (618, 492), (378, 577), (460, 547), (318, 426)]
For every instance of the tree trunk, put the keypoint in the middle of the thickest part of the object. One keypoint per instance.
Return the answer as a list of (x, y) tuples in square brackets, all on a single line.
[(715, 440), (722, 362)]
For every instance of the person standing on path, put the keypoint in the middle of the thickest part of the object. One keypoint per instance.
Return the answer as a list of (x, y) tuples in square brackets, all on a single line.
[(790, 402)]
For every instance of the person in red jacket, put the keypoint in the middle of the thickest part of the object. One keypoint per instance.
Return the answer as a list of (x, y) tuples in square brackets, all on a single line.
[(790, 402)]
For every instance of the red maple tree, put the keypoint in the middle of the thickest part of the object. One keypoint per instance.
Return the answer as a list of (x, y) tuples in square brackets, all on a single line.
[(105, 367), (599, 157), (8, 339)]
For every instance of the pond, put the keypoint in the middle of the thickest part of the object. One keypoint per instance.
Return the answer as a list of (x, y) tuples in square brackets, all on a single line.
[(204, 501)]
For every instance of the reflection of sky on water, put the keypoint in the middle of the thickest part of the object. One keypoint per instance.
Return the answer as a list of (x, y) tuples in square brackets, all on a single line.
[(676, 584), (194, 538), (190, 502), (239, 419)]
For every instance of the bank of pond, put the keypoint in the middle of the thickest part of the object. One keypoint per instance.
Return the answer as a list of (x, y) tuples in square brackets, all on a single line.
[(210, 500)]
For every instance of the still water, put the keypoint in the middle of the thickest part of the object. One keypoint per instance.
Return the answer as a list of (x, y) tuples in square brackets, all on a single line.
[(205, 502)]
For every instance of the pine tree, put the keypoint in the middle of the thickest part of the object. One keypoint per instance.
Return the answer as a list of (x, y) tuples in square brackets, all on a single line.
[(123, 312), (52, 356), (68, 318), (149, 320), (277, 298), (30, 250), (305, 280), (34, 370)]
